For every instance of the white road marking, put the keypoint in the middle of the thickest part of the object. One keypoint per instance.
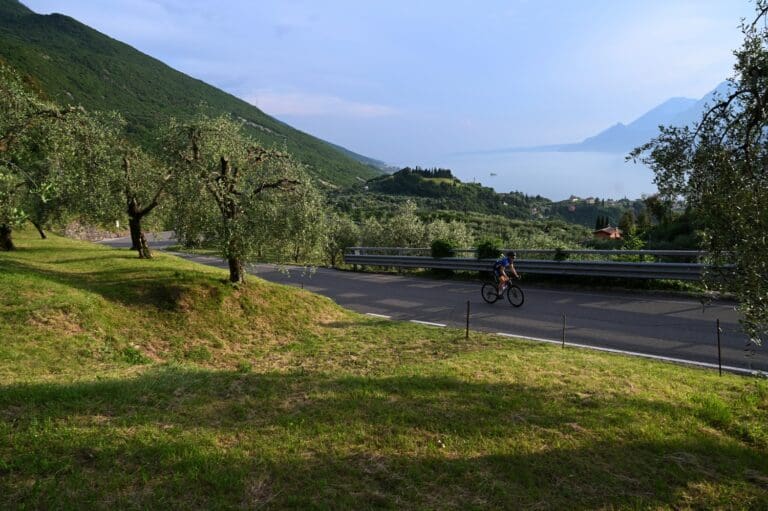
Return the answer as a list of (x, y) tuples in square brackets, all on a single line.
[(377, 315), (426, 323), (753, 372)]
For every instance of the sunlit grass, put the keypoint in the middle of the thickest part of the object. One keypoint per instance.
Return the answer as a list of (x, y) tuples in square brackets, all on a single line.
[(155, 384)]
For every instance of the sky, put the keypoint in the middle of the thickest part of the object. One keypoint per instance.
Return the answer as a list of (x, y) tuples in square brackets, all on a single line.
[(412, 82)]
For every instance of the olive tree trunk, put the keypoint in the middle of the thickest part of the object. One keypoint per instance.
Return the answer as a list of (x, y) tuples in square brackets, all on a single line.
[(138, 240), (236, 270), (40, 230), (6, 242)]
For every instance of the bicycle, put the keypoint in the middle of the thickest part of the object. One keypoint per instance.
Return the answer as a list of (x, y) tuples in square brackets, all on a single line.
[(514, 293)]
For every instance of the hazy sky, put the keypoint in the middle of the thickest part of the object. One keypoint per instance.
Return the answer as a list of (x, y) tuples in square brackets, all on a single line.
[(410, 81)]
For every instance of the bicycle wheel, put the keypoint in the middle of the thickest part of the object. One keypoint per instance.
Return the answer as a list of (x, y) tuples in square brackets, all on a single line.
[(515, 295), (489, 292)]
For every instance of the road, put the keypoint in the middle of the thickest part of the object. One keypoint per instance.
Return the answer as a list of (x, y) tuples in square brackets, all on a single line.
[(651, 324)]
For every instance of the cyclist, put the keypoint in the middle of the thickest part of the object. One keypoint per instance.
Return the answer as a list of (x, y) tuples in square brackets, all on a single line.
[(500, 269)]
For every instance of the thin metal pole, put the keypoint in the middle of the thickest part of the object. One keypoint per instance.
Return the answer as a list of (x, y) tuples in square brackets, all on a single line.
[(719, 353), (563, 330), (467, 335)]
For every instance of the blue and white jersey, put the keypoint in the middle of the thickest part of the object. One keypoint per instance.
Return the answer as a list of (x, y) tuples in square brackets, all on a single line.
[(504, 262)]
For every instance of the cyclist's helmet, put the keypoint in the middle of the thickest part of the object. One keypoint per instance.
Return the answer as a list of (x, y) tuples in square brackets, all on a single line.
[(511, 254)]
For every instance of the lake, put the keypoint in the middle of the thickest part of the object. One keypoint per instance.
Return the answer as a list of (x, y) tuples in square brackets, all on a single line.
[(555, 175)]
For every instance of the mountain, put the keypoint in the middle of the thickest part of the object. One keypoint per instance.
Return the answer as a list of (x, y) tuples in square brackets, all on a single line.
[(622, 138), (694, 113), (71, 63), (383, 166)]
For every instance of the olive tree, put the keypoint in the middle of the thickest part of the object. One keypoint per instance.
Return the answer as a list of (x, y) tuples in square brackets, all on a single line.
[(36, 150), (404, 228), (372, 233), (343, 232), (250, 197), (145, 181), (720, 166), (110, 179), (458, 234)]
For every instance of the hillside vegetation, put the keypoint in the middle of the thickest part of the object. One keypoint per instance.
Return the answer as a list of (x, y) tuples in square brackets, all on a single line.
[(73, 64), (137, 384), (443, 191)]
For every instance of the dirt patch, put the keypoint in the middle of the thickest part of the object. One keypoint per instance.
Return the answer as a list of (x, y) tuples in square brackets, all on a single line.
[(56, 321)]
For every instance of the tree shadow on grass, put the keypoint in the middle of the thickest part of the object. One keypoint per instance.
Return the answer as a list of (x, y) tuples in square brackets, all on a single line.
[(153, 287), (202, 439)]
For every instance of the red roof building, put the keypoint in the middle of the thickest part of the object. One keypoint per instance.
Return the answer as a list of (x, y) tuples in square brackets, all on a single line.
[(608, 233)]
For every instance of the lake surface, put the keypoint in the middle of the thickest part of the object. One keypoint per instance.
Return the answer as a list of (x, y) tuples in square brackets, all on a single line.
[(555, 175)]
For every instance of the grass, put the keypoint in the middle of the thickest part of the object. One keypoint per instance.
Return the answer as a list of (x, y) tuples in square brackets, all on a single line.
[(128, 384)]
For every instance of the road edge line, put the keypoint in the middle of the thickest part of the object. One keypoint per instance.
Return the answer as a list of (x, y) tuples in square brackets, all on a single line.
[(429, 323), (708, 365)]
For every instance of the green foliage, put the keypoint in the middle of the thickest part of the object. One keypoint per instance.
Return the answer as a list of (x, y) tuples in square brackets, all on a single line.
[(720, 169), (632, 242), (602, 222), (644, 220), (23, 119), (489, 248), (591, 214), (627, 223), (660, 208), (245, 199), (441, 248), (41, 146), (133, 356), (438, 189), (72, 63), (560, 254), (406, 227), (403, 229), (342, 233), (681, 232)]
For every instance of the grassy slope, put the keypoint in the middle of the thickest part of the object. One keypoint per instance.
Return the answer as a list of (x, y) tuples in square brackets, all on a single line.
[(134, 384), (73, 63)]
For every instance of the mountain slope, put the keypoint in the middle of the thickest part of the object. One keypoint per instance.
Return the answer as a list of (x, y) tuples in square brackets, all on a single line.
[(622, 138), (73, 64)]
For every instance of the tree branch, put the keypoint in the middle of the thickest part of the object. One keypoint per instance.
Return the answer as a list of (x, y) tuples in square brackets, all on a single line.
[(722, 106), (13, 132), (762, 13), (276, 184)]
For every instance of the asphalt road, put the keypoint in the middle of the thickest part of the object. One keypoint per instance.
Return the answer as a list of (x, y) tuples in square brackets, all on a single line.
[(657, 325)]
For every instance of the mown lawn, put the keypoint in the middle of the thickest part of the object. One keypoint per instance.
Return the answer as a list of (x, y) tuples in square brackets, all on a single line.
[(128, 384)]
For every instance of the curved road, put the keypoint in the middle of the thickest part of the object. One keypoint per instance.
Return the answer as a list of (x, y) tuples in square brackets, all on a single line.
[(678, 328)]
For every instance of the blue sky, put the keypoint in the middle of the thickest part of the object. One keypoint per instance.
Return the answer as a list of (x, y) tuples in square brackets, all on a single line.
[(409, 82)]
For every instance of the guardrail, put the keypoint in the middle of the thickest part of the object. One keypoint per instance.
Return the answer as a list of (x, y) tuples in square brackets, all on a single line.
[(623, 269), (697, 254)]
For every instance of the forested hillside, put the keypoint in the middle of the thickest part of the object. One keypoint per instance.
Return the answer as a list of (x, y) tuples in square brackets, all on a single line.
[(439, 189), (71, 63)]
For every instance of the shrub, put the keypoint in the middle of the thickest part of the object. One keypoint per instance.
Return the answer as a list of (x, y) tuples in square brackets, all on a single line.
[(489, 248), (442, 248)]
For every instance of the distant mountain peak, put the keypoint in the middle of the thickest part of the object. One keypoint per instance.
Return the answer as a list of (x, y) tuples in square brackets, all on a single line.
[(622, 138)]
